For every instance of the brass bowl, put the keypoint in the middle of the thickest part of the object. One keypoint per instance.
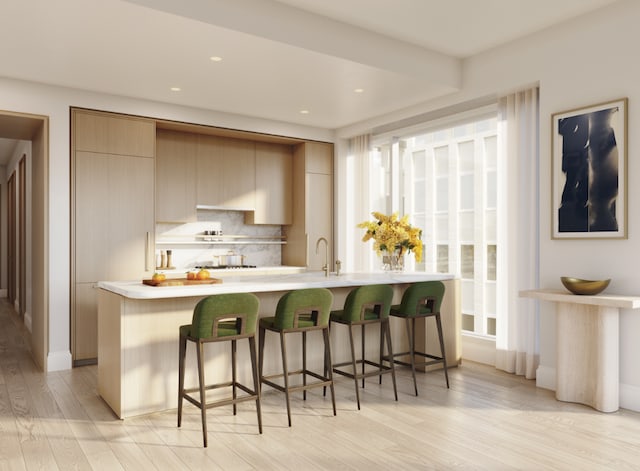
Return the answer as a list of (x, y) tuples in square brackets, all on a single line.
[(579, 286)]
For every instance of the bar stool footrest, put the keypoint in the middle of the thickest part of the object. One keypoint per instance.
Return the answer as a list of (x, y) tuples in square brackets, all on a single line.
[(382, 369), (251, 395), (322, 381)]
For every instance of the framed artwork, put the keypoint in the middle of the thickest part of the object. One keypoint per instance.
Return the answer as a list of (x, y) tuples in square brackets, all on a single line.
[(589, 172)]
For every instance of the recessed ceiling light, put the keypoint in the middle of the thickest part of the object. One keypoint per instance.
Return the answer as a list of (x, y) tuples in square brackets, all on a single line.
[(359, 90), (175, 89), (304, 111), (215, 58)]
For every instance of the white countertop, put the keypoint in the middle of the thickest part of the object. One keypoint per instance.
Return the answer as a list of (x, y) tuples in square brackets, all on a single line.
[(266, 283)]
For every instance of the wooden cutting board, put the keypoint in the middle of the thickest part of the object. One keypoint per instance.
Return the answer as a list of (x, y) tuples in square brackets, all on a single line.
[(181, 282)]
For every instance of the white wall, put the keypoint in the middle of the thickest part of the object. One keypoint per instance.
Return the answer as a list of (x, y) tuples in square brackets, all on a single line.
[(591, 60), (54, 102)]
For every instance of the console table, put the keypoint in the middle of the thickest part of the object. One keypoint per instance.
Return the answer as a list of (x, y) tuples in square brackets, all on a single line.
[(587, 352)]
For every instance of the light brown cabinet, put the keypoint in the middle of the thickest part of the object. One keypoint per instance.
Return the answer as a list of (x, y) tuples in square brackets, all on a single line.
[(176, 176), (95, 131), (225, 172), (197, 169), (273, 177), (112, 213), (312, 207)]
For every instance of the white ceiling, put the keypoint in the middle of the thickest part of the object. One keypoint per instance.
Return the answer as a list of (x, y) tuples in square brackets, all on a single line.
[(278, 57)]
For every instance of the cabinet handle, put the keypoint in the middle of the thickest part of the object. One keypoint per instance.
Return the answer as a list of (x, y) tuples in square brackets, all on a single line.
[(306, 251), (147, 248)]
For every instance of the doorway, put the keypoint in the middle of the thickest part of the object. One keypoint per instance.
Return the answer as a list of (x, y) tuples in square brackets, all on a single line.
[(34, 128)]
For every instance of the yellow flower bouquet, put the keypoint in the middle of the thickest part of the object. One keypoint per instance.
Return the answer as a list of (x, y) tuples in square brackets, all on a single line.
[(392, 234)]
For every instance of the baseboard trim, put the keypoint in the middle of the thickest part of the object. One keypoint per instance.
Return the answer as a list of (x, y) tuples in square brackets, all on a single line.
[(630, 397), (479, 350), (58, 361), (546, 377)]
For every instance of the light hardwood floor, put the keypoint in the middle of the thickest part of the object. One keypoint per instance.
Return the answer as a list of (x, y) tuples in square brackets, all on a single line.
[(487, 420)]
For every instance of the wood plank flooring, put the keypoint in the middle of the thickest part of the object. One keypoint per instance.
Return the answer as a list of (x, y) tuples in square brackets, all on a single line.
[(488, 420)]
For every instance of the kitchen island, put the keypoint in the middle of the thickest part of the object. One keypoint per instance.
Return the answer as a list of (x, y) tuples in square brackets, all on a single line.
[(138, 332)]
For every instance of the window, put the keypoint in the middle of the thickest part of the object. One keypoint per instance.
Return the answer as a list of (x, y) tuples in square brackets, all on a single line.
[(446, 180)]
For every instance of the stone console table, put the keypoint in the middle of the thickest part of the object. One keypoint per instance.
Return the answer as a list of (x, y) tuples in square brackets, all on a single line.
[(587, 369)]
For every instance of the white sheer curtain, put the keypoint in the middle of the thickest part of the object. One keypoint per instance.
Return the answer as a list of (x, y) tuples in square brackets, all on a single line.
[(358, 205), (517, 326)]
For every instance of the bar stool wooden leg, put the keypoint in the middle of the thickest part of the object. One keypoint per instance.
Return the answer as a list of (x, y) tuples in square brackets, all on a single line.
[(304, 364), (234, 393), (354, 365), (203, 401), (285, 371), (261, 356), (385, 325), (363, 354), (181, 365), (411, 331), (441, 337), (327, 369), (256, 380), (381, 353)]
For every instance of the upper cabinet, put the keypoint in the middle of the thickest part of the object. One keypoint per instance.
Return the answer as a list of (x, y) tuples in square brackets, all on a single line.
[(225, 173), (176, 176), (273, 177), (196, 170), (113, 134)]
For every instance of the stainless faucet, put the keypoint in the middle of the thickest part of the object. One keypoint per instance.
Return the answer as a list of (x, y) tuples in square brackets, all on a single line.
[(325, 268)]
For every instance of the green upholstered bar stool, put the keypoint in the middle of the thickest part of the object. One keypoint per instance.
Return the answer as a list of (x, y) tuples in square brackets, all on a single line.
[(303, 311), (366, 305), (220, 318), (421, 300)]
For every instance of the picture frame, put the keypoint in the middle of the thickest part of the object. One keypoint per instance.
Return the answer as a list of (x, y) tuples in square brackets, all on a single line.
[(589, 172)]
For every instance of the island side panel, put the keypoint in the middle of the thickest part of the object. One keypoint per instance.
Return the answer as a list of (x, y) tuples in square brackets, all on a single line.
[(109, 349)]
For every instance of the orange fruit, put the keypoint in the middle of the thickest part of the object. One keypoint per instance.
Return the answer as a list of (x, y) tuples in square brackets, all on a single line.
[(203, 274)]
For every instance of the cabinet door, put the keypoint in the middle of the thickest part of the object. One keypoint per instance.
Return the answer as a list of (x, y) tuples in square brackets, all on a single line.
[(273, 185), (226, 172), (209, 178), (131, 218), (238, 170), (91, 212), (114, 218), (319, 218), (113, 134), (85, 322), (175, 176), (319, 157)]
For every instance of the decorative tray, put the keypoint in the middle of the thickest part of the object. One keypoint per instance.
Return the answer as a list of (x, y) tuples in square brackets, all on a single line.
[(181, 282)]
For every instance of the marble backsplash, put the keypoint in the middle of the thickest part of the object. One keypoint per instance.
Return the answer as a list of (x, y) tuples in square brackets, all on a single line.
[(189, 250)]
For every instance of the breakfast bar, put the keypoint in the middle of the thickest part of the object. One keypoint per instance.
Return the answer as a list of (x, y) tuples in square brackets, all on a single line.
[(138, 330)]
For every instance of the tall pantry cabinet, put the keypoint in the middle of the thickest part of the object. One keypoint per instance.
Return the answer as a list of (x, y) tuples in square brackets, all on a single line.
[(113, 223), (312, 207)]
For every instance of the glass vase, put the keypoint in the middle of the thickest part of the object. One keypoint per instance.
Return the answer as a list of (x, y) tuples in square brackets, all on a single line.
[(393, 261)]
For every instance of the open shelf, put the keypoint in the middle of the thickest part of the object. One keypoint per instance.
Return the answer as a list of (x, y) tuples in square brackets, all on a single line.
[(190, 239)]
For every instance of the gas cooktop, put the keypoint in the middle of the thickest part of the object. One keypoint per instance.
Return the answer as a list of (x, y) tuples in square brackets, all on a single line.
[(225, 267)]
